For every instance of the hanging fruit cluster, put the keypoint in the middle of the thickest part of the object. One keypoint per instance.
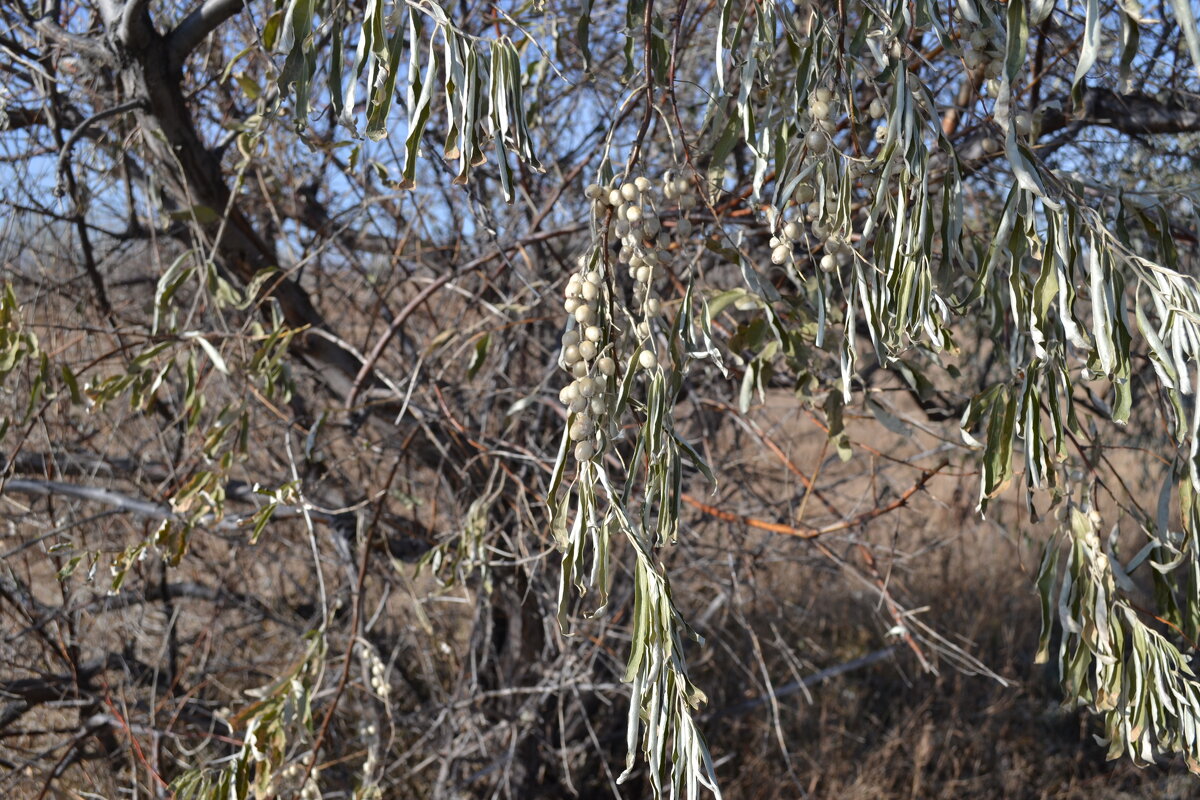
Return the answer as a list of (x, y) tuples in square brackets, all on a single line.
[(595, 346)]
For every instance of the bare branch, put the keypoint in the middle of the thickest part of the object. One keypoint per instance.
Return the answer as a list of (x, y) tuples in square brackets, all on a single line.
[(81, 130), (85, 46), (198, 25), (1134, 113)]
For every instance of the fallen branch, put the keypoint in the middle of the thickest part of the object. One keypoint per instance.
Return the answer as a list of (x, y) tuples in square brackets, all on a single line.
[(829, 673)]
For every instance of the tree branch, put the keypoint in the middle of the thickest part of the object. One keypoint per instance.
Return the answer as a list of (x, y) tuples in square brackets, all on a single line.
[(197, 25), (80, 131), (1134, 113), (76, 44)]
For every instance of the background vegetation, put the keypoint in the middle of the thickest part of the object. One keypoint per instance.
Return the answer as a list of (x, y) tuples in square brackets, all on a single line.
[(294, 504)]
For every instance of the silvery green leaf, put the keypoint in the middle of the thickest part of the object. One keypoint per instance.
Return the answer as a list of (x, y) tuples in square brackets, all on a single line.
[(1090, 48)]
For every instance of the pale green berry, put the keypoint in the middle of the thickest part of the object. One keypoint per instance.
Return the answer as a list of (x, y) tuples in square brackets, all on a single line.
[(593, 333), (584, 451), (607, 366), (586, 350), (647, 360), (582, 429)]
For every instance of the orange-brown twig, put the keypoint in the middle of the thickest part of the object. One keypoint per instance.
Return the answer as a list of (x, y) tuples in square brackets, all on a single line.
[(809, 532)]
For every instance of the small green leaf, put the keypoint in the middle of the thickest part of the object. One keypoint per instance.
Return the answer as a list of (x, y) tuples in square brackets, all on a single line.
[(481, 351)]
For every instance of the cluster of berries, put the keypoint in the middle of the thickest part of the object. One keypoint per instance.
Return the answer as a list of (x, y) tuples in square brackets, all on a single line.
[(589, 351)]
